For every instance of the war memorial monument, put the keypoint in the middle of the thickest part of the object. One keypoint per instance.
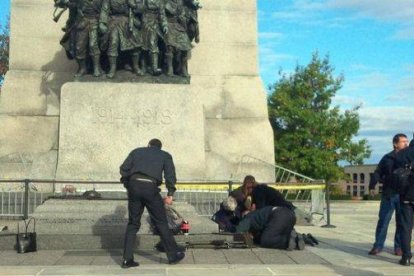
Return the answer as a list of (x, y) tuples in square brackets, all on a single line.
[(106, 76)]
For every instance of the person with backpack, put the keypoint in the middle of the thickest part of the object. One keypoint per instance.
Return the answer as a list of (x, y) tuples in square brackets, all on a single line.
[(404, 163), (390, 199)]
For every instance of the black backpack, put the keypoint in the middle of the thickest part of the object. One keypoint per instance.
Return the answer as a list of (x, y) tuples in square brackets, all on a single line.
[(403, 179)]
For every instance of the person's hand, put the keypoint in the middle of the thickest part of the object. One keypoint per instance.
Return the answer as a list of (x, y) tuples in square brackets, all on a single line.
[(372, 193), (168, 200)]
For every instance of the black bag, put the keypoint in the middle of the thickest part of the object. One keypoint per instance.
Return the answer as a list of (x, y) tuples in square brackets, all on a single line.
[(401, 179), (226, 220), (174, 220), (26, 242)]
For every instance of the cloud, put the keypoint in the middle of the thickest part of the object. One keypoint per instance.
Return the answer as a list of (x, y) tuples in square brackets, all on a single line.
[(347, 101), (313, 13), (399, 11), (396, 10), (270, 35), (379, 124), (389, 119)]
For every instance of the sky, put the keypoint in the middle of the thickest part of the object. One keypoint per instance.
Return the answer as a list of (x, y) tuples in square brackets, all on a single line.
[(370, 42)]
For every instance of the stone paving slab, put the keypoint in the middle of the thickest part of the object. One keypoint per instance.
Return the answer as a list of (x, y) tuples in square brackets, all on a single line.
[(210, 270), (342, 251)]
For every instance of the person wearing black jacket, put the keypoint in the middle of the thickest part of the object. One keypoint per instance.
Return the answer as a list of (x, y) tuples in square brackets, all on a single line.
[(141, 174), (404, 159), (272, 227), (263, 195), (390, 199)]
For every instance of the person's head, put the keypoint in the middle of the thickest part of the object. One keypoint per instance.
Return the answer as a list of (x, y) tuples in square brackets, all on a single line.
[(249, 183), (399, 141), (155, 143)]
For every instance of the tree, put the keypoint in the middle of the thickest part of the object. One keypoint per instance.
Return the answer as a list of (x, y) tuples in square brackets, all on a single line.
[(4, 50), (311, 136)]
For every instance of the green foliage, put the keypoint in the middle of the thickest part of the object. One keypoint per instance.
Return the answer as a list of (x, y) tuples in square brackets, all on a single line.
[(4, 50), (311, 136)]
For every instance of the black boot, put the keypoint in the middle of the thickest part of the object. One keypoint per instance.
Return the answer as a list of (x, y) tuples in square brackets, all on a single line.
[(129, 263), (156, 71), (112, 67), (81, 68), (307, 240), (312, 238), (97, 71), (405, 261)]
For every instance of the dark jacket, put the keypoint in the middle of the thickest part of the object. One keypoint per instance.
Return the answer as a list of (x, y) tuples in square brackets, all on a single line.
[(383, 174), (150, 162), (263, 195), (255, 221), (403, 158)]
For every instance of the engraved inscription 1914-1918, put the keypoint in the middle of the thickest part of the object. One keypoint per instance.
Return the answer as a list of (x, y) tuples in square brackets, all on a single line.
[(143, 36), (141, 118)]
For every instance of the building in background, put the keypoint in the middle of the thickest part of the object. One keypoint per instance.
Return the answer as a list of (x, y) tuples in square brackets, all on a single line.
[(357, 183)]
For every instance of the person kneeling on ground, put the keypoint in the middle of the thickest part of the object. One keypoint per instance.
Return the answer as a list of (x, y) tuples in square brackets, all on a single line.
[(272, 227)]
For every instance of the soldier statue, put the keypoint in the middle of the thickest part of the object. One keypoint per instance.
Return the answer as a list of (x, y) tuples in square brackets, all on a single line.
[(118, 18), (176, 40), (154, 27), (191, 7)]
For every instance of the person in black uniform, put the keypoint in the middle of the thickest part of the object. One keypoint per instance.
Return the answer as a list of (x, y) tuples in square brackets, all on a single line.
[(272, 227), (390, 199), (141, 174), (403, 159)]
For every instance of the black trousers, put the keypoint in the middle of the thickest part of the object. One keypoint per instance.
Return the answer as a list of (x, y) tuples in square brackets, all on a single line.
[(140, 195), (406, 226), (277, 230)]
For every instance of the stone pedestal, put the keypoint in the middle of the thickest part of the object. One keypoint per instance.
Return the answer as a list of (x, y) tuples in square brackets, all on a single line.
[(100, 123)]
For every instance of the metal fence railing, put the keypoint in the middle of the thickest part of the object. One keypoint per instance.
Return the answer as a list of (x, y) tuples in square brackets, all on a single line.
[(205, 197)]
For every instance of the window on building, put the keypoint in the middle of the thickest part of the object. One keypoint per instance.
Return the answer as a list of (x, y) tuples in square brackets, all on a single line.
[(348, 189), (362, 190), (354, 178), (355, 190), (348, 178), (361, 178)]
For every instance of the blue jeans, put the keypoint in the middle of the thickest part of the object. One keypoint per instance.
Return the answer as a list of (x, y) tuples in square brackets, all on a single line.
[(387, 207)]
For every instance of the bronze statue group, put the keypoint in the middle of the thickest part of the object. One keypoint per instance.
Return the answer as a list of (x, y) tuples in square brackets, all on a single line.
[(145, 36)]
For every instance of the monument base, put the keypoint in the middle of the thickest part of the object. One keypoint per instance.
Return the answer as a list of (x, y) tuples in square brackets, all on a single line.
[(100, 123)]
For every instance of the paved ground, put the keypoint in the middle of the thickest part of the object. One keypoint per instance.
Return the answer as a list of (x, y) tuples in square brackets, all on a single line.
[(342, 251)]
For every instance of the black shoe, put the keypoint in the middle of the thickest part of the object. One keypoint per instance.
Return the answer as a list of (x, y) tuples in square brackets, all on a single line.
[(312, 238), (129, 263), (307, 240), (177, 258), (300, 243), (160, 247), (292, 241), (405, 261)]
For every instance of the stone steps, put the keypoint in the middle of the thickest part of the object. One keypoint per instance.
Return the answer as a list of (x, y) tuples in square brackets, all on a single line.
[(84, 242), (100, 224)]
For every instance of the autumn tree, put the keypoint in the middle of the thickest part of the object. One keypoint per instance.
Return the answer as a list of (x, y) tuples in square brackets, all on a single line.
[(4, 50), (311, 135)]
